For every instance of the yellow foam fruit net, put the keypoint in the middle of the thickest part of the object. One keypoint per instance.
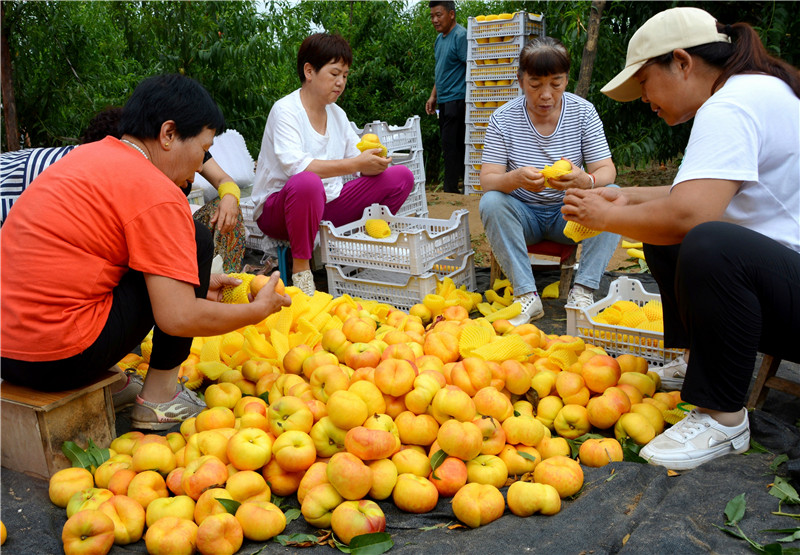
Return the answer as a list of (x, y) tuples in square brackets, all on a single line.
[(578, 232), (377, 228), (370, 140), (551, 291), (653, 310), (238, 294), (473, 337), (504, 348)]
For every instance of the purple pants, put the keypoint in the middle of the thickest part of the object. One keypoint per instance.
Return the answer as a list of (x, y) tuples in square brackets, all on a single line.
[(294, 212)]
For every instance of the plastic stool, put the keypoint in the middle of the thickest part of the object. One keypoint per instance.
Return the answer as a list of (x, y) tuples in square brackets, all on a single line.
[(284, 264)]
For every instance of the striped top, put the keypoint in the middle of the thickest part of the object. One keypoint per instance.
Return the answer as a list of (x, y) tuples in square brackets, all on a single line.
[(18, 168), (512, 140)]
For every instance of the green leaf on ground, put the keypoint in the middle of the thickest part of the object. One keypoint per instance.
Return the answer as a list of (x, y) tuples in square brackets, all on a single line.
[(292, 514), (784, 491), (371, 544), (734, 510)]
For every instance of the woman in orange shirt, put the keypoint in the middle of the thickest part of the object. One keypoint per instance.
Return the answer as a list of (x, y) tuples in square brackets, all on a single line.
[(102, 247)]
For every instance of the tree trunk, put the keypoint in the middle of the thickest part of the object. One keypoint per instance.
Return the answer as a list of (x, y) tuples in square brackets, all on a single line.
[(590, 50), (9, 104)]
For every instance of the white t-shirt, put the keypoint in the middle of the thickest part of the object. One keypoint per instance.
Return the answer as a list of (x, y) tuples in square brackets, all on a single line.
[(290, 144), (749, 131)]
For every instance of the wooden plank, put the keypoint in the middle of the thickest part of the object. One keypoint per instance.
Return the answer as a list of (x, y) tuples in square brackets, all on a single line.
[(22, 443), (48, 400)]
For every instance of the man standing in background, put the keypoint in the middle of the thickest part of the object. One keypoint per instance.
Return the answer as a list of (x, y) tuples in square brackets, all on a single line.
[(449, 90)]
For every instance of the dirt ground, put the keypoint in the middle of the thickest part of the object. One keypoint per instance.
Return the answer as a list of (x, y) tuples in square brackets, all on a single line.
[(441, 206)]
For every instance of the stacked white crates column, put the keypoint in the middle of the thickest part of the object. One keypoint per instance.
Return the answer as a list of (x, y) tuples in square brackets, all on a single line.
[(400, 269), (404, 145), (492, 64)]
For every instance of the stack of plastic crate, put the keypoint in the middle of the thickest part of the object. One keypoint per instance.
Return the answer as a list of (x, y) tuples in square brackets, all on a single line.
[(494, 44), (404, 145), (400, 269)]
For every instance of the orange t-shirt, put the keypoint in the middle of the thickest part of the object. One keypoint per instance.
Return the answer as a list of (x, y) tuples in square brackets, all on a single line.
[(76, 230)]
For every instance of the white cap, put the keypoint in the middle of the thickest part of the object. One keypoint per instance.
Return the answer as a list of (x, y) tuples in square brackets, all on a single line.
[(661, 34)]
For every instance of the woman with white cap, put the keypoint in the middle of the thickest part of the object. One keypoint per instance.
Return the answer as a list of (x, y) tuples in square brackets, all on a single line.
[(723, 242)]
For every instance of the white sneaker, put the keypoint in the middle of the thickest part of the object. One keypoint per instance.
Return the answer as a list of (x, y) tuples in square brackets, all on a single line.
[(305, 282), (696, 439), (580, 297), (532, 309), (672, 374)]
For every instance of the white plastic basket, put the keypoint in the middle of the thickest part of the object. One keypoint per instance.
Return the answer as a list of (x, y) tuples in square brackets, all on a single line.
[(496, 52), (618, 340), (393, 137), (492, 72), (474, 134), (473, 154), (521, 23), (196, 196), (399, 289), (472, 179), (413, 161), (414, 246), (493, 94), (478, 114), (417, 202)]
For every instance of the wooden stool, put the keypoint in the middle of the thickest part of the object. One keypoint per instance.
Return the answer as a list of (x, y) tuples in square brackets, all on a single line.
[(766, 379), (566, 254), (36, 423)]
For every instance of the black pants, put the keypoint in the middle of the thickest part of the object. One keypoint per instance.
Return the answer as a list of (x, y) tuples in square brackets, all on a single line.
[(130, 320), (727, 293), (453, 129)]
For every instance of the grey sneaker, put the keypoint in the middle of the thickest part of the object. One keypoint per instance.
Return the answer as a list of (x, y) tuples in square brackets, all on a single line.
[(163, 416), (672, 374), (305, 282), (696, 439), (580, 297), (126, 396), (532, 309)]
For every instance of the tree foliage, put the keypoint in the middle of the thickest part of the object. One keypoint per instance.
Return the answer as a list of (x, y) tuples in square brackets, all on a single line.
[(72, 59)]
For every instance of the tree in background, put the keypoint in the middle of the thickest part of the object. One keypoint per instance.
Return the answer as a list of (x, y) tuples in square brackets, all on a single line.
[(72, 59)]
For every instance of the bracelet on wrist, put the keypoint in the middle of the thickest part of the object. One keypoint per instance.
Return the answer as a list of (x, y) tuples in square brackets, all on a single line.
[(229, 188), (591, 176)]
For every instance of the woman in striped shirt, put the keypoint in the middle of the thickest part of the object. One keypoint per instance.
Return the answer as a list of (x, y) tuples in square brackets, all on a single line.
[(519, 207)]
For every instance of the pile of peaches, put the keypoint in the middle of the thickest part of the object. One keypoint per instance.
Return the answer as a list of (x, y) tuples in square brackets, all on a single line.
[(384, 406)]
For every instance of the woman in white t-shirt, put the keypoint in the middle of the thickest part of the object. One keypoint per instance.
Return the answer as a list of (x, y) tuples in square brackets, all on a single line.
[(307, 150), (723, 242)]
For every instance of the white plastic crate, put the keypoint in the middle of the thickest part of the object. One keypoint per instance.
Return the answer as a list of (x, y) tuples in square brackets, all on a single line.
[(478, 114), (406, 137), (472, 178), (493, 94), (417, 202), (399, 289), (413, 161), (196, 196), (413, 247), (475, 134), (521, 23), (473, 154), (618, 340), (496, 52), (492, 72)]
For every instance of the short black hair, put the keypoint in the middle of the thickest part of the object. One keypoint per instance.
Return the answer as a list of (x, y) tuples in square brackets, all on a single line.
[(450, 6), (170, 97), (320, 49), (544, 56), (103, 124)]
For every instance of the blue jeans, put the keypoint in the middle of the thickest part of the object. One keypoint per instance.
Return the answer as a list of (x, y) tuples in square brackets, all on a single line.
[(511, 225)]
